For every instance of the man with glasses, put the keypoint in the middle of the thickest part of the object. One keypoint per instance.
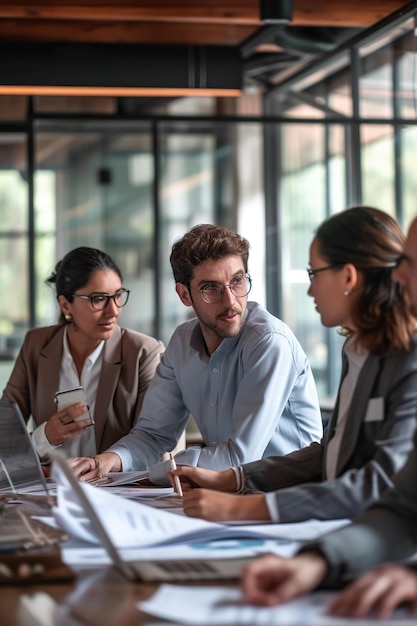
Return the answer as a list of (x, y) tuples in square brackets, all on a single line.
[(238, 370)]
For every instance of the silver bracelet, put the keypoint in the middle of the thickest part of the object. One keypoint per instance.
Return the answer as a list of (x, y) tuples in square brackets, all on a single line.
[(240, 479)]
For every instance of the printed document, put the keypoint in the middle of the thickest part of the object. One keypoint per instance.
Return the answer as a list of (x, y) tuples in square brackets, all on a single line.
[(132, 524), (211, 606)]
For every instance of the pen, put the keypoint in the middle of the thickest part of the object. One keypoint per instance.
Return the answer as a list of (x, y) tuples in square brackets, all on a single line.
[(178, 487)]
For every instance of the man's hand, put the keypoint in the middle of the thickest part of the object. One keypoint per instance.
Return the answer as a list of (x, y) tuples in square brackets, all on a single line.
[(88, 468), (381, 591), (270, 580)]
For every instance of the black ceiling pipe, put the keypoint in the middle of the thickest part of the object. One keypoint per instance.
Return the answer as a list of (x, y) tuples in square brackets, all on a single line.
[(276, 11)]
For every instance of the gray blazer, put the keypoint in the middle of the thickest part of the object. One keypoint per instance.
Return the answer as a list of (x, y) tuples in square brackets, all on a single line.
[(376, 443), (386, 532), (129, 362)]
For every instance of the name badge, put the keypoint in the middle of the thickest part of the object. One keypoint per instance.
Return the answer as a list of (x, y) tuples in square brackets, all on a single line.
[(375, 410)]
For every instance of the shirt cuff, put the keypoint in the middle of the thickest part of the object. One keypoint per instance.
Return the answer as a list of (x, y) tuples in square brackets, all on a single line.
[(41, 443), (124, 456), (272, 504)]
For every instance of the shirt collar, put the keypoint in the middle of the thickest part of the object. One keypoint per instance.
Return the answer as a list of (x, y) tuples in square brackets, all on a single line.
[(91, 359)]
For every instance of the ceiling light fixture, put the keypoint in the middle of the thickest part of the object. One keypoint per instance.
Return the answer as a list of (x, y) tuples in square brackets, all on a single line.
[(276, 11), (68, 68), (116, 92)]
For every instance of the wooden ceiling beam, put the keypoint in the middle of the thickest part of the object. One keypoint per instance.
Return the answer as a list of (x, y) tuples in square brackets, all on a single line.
[(182, 22), (124, 32), (244, 12), (342, 13), (136, 14)]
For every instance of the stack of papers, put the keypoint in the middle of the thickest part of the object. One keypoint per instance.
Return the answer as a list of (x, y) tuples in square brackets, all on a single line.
[(124, 478), (153, 544), (132, 524)]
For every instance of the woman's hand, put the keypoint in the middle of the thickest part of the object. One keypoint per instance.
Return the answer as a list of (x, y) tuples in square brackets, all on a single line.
[(220, 507), (192, 477), (61, 426), (380, 591), (87, 468), (270, 580)]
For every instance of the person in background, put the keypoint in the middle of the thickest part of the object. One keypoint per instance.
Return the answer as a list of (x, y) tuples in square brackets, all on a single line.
[(369, 436), (381, 537), (237, 369), (87, 347)]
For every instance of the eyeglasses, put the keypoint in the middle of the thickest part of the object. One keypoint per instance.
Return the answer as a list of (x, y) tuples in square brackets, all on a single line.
[(99, 301), (239, 286), (311, 273)]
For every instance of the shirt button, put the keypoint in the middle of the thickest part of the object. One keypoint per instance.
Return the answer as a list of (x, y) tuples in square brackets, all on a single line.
[(214, 370), (213, 406)]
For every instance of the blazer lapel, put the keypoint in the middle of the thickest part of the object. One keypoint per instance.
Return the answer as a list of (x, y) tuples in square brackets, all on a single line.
[(333, 419), (48, 375), (109, 377), (357, 409)]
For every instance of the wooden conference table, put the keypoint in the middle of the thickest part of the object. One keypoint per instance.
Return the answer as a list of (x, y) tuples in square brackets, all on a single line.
[(96, 595), (95, 598)]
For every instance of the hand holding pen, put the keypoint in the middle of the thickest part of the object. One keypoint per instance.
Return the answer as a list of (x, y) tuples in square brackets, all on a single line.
[(178, 487)]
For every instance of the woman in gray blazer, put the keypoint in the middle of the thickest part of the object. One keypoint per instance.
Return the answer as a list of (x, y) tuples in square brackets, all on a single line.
[(386, 533), (86, 348), (369, 435)]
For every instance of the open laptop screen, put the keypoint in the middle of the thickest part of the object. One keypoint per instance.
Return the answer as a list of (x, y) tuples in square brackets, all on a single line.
[(19, 463)]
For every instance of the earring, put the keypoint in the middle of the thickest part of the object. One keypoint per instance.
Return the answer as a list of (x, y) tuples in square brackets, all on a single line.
[(68, 318), (347, 293)]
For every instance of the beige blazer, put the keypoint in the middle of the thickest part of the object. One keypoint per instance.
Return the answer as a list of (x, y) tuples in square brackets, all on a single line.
[(129, 362)]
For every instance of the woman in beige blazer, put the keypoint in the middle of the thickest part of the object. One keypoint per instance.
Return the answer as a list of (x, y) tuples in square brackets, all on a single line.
[(86, 348)]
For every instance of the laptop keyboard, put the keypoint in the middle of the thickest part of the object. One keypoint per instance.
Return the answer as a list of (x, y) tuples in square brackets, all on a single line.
[(189, 570)]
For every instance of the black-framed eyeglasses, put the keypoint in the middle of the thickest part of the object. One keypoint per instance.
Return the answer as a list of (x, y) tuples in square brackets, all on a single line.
[(239, 286), (311, 273), (99, 301)]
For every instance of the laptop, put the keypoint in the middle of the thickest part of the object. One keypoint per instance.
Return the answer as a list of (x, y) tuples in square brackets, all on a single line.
[(20, 468), (150, 570), (24, 500)]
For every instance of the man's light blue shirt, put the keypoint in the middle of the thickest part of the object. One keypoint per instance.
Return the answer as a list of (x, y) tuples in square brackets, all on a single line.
[(255, 396)]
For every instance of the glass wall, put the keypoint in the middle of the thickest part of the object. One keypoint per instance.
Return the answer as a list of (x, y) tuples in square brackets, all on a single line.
[(313, 185), (407, 137), (130, 188), (94, 186), (356, 147), (14, 258), (189, 163), (209, 173)]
